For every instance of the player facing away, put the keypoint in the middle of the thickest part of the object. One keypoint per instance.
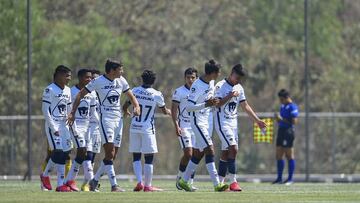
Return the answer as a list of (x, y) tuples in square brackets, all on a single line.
[(56, 104), (142, 130), (109, 88), (181, 120), (93, 141), (80, 128), (231, 94), (201, 101), (287, 119)]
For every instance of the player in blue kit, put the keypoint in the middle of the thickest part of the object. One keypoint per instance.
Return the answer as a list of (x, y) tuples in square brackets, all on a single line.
[(287, 119)]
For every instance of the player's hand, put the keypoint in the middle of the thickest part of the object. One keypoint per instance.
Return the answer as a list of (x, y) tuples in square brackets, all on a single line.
[(234, 94), (261, 124), (178, 130), (167, 112), (278, 117), (127, 113), (212, 102), (57, 133), (70, 119), (136, 111)]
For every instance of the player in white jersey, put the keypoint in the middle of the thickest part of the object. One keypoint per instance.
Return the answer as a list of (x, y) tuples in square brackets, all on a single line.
[(200, 103), (231, 94), (109, 88), (181, 120), (56, 104), (80, 129), (142, 130), (93, 141)]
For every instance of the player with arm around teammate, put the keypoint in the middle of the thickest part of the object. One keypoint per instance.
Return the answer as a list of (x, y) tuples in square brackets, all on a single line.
[(142, 130), (231, 95), (108, 88)]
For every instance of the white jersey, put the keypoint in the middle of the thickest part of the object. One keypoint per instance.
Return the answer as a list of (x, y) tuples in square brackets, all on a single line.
[(93, 119), (180, 96), (148, 99), (58, 101), (226, 115), (200, 92), (109, 93), (88, 102)]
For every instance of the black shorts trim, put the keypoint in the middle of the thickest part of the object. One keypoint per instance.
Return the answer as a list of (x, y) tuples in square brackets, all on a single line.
[(52, 139), (221, 132)]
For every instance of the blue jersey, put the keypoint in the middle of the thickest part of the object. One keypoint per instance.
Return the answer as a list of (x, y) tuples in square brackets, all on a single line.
[(288, 112)]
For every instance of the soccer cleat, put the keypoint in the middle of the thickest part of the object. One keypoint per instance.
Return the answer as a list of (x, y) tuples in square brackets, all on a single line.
[(235, 187), (72, 185), (139, 187), (193, 188), (63, 188), (277, 181), (221, 187), (152, 189), (116, 188), (93, 185), (85, 187), (177, 183), (45, 183), (185, 185), (288, 182)]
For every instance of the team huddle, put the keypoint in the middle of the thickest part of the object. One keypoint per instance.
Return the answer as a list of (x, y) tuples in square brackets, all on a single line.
[(90, 115)]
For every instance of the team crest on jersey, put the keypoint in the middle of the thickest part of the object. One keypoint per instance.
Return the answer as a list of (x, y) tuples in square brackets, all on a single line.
[(62, 109), (113, 99), (230, 108), (83, 111)]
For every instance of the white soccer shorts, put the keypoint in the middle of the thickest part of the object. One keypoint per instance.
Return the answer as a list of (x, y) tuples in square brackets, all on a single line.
[(63, 141), (93, 140), (111, 131), (143, 142), (187, 138)]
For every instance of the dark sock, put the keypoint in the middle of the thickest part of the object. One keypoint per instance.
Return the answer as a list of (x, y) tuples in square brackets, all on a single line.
[(280, 168), (291, 164), (231, 166), (222, 168)]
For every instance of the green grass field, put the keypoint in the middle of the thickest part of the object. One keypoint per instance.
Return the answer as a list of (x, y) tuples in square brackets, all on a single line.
[(17, 191)]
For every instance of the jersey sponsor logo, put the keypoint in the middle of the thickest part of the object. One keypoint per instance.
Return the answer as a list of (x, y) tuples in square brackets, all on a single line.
[(106, 87), (193, 89)]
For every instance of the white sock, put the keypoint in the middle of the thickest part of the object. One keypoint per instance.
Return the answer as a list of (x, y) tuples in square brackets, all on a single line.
[(190, 169), (88, 171), (138, 170), (73, 172), (191, 181), (232, 178), (60, 169), (221, 179), (111, 174), (50, 164), (213, 173), (100, 171), (148, 173)]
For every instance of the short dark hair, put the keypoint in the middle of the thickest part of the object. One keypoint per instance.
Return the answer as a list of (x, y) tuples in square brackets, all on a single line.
[(82, 72), (239, 69), (284, 93), (95, 71), (212, 67), (112, 65), (190, 71), (61, 69), (148, 77)]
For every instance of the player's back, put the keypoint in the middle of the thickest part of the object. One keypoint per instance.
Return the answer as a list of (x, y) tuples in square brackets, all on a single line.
[(148, 99)]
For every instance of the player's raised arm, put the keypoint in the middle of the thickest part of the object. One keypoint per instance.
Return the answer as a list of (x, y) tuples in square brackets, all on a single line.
[(247, 108), (76, 103), (134, 102)]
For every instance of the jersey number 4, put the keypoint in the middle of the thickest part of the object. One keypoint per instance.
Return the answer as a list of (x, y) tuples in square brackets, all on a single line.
[(146, 107)]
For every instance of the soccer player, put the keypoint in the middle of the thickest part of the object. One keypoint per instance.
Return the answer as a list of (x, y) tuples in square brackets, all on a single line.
[(93, 141), (231, 94), (80, 129), (181, 120), (287, 119), (201, 100), (109, 88), (56, 104), (142, 130)]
